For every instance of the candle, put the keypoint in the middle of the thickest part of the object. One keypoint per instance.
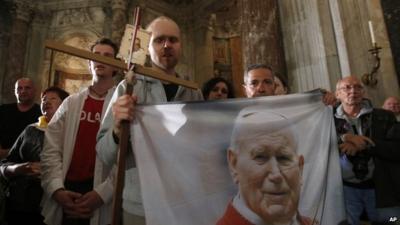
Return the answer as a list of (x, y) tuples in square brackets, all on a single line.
[(371, 32)]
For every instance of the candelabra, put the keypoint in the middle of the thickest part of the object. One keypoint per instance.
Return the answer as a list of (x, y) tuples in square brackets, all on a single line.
[(370, 79)]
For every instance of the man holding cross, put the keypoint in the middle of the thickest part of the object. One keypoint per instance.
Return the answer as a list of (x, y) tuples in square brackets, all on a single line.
[(165, 49)]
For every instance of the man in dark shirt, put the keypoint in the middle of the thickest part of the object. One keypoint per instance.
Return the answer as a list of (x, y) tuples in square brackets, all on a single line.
[(15, 117)]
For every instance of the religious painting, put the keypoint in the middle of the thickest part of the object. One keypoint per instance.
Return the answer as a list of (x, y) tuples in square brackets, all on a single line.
[(221, 51), (72, 83), (140, 48), (222, 58)]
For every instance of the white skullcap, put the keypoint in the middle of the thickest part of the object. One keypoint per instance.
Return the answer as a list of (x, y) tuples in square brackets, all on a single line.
[(256, 121)]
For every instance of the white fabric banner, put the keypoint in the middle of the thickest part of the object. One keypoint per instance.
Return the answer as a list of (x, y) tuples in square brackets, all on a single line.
[(181, 152)]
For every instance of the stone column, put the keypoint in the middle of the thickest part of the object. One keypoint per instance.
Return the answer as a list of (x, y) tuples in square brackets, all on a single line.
[(310, 47), (119, 19), (35, 49), (261, 34), (203, 50), (22, 14), (3, 50)]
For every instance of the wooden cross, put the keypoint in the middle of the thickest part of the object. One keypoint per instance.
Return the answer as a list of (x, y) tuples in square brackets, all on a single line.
[(124, 136), (139, 69)]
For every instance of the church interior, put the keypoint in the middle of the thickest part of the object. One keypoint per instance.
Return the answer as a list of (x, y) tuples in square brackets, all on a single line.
[(312, 43)]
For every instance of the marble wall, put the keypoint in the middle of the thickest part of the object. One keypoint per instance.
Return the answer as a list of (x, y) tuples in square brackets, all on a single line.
[(323, 40), (261, 34), (355, 15), (391, 12), (328, 39), (5, 25), (21, 13)]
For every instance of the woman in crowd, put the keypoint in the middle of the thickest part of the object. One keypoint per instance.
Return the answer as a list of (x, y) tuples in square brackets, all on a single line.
[(281, 85), (21, 168), (217, 88)]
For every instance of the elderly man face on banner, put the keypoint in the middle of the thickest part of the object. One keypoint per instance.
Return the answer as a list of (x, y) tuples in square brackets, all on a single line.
[(264, 163)]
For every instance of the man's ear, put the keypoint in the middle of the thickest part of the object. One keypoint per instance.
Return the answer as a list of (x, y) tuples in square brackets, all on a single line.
[(337, 94), (244, 89), (232, 160), (89, 65), (301, 163)]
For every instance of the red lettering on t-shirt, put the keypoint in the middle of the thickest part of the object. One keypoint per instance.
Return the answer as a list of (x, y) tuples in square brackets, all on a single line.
[(84, 155)]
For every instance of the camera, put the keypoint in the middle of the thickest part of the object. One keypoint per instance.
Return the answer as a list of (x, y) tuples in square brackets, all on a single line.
[(360, 163)]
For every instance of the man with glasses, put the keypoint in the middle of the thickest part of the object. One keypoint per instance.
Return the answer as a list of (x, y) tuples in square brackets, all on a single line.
[(165, 51), (369, 159)]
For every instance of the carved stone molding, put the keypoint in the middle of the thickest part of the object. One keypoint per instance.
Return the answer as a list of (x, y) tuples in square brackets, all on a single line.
[(22, 10), (119, 19), (119, 4), (41, 16), (261, 36), (71, 17)]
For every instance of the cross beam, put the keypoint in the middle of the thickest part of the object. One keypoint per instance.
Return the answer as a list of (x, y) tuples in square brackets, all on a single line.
[(147, 71)]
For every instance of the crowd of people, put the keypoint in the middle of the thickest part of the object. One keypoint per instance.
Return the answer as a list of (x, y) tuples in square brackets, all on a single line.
[(59, 170)]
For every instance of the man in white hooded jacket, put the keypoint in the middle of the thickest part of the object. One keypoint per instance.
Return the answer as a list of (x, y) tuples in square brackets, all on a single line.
[(77, 188)]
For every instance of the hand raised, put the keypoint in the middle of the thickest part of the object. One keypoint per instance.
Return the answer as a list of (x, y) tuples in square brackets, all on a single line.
[(123, 109), (328, 98)]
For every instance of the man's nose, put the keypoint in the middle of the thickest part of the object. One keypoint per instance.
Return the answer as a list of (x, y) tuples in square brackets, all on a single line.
[(167, 43), (275, 173), (261, 87)]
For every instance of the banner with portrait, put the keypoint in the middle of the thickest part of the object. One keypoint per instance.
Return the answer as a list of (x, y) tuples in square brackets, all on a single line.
[(264, 159)]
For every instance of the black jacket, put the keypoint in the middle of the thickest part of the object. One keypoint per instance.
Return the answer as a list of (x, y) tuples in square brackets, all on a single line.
[(25, 192), (381, 127)]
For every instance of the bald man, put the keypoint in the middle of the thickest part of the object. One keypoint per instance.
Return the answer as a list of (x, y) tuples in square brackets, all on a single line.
[(369, 160), (165, 50), (15, 117), (392, 103)]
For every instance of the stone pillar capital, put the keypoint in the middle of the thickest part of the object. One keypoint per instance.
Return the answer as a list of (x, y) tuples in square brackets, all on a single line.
[(41, 16), (119, 4), (205, 23), (119, 19), (22, 10)]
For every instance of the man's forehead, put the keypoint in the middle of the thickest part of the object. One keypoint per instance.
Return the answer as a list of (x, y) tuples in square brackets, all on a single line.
[(165, 28), (24, 83), (350, 81), (392, 100), (260, 73), (274, 143), (103, 48)]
